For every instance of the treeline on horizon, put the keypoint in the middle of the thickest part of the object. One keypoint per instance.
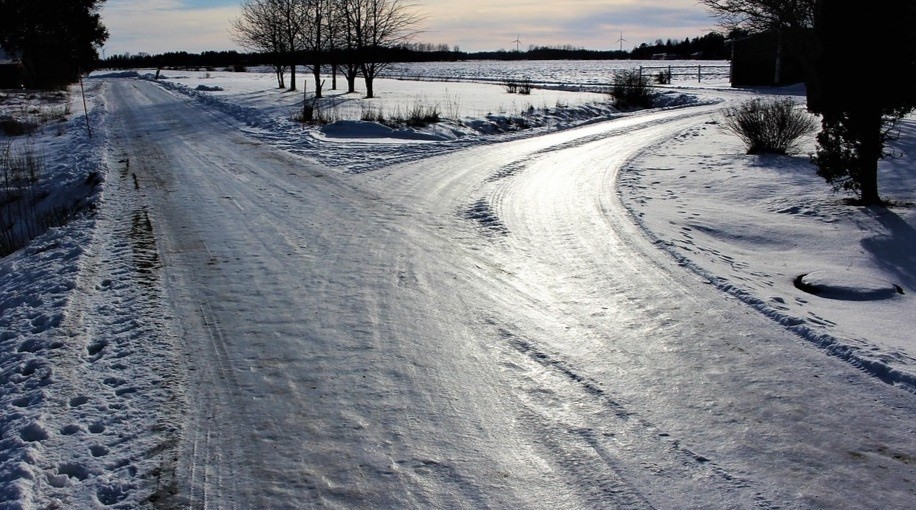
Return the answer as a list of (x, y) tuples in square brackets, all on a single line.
[(712, 46)]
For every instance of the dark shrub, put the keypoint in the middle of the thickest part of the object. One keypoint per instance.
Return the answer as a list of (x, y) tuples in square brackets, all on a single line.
[(631, 90), (15, 127), (772, 126)]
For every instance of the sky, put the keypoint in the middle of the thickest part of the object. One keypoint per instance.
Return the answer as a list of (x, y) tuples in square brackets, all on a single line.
[(157, 26)]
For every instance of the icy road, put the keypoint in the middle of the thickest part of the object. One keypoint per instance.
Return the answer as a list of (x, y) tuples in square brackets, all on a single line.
[(481, 329)]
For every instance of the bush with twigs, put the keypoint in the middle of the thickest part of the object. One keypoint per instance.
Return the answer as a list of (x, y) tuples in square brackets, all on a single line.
[(663, 77), (20, 220), (519, 86), (25, 210), (630, 90), (769, 126)]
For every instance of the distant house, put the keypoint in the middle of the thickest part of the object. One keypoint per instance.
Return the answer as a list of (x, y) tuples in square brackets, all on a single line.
[(761, 60), (10, 72)]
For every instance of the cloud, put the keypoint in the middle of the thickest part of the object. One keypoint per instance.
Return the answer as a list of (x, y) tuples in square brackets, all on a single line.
[(158, 26), (488, 24)]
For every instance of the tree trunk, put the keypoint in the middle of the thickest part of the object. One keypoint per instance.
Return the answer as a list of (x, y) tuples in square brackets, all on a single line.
[(316, 70), (292, 78), (350, 74), (870, 123), (369, 78), (308, 109)]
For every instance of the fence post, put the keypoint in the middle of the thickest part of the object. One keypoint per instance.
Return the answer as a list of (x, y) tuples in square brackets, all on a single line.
[(699, 73), (79, 73)]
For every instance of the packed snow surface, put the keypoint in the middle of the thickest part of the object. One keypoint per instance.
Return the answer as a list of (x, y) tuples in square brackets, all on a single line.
[(538, 302)]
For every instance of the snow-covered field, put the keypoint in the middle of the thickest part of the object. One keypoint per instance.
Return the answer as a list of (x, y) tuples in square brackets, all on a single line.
[(562, 74), (514, 232)]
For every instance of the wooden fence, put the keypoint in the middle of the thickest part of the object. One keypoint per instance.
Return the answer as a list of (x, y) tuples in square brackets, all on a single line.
[(687, 72)]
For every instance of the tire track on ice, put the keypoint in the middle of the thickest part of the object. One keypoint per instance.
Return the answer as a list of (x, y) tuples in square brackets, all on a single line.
[(208, 470), (631, 450), (199, 471), (623, 435)]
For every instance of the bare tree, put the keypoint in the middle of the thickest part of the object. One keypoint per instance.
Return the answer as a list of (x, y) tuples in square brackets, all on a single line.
[(314, 36), (762, 15), (258, 29), (275, 26), (376, 25), (362, 30), (333, 36), (350, 22), (293, 20), (791, 20)]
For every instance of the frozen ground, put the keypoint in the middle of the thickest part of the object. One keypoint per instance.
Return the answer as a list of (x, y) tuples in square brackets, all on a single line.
[(580, 314)]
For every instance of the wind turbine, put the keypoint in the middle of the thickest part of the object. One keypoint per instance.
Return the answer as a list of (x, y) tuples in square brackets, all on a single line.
[(621, 41), (518, 43)]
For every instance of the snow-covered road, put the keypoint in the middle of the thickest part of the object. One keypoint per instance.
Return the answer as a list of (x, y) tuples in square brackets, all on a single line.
[(481, 329)]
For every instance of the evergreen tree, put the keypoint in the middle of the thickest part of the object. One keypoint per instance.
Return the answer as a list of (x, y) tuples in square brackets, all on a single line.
[(54, 39), (859, 108), (858, 84)]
